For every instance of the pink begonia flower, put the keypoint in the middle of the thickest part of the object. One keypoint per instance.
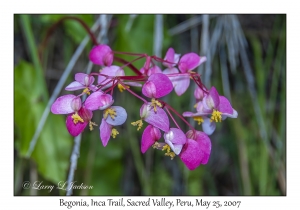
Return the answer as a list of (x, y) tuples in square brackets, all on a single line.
[(98, 101), (157, 86), (150, 135), (197, 149), (175, 138), (180, 82), (78, 117), (190, 61), (152, 70), (158, 118), (102, 55), (215, 105), (171, 57), (113, 116), (113, 71), (82, 81), (199, 93)]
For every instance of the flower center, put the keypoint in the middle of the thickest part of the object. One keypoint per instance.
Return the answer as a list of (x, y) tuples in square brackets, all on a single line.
[(111, 112), (114, 133), (122, 88), (91, 124), (162, 147), (216, 116), (87, 91), (76, 118), (198, 119), (155, 103), (138, 123), (168, 151)]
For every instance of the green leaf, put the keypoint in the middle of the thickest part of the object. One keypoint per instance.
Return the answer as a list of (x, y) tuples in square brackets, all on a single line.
[(53, 147)]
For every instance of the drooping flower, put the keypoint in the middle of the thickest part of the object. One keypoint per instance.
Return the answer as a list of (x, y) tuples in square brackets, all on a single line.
[(82, 81), (157, 86), (110, 73), (180, 82), (218, 107), (150, 135), (153, 70), (190, 61), (112, 115), (171, 58), (102, 55), (197, 149), (175, 139), (78, 117), (156, 117)]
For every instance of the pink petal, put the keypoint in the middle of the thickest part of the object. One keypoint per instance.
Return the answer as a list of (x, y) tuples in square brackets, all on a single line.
[(181, 84), (62, 105), (199, 93), (162, 83), (111, 71), (158, 119), (212, 100), (85, 114), (189, 62), (205, 146), (149, 89), (101, 55), (153, 70), (170, 71), (169, 57), (74, 86), (119, 119), (93, 102), (150, 135), (84, 79), (191, 154), (105, 131), (175, 138), (225, 106), (75, 129)]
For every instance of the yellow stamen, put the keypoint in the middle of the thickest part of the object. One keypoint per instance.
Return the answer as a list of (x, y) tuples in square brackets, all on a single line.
[(216, 116), (138, 123), (87, 91), (195, 106), (114, 133), (76, 118), (168, 153), (198, 119), (111, 112), (122, 88), (155, 103), (91, 124), (155, 145)]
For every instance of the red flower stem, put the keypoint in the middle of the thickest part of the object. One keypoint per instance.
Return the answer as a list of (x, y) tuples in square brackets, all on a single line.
[(172, 118), (122, 67), (132, 67), (179, 115), (134, 78), (161, 60), (132, 92)]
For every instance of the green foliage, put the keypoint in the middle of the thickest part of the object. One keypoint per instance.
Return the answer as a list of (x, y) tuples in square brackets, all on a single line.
[(53, 148)]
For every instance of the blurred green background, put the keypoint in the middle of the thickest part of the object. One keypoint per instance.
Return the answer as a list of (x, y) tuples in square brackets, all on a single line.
[(246, 63)]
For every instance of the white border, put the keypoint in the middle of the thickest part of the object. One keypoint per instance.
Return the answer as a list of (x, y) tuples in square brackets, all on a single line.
[(8, 8)]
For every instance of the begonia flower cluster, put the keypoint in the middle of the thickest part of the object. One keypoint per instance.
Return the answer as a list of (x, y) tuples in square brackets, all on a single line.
[(192, 146)]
